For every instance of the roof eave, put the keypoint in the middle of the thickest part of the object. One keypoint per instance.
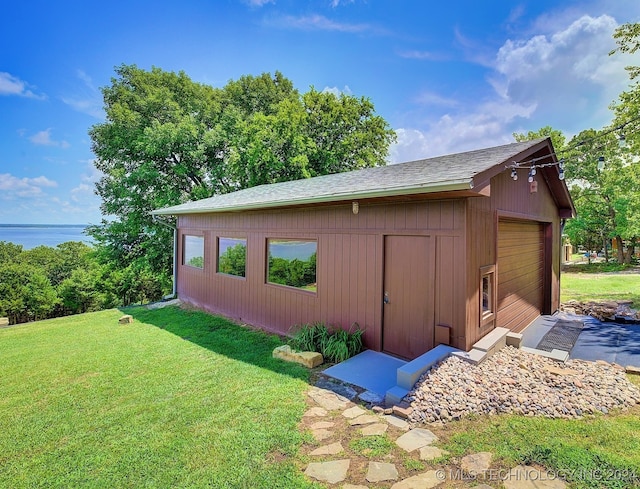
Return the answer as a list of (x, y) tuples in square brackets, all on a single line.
[(463, 184)]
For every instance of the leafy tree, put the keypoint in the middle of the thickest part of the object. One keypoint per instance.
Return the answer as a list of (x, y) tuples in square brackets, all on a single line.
[(168, 140), (557, 138), (25, 293), (9, 251), (233, 260)]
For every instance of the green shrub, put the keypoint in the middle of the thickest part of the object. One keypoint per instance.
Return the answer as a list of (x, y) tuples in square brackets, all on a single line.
[(336, 346)]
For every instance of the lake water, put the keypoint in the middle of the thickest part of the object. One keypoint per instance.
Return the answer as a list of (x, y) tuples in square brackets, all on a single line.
[(30, 236)]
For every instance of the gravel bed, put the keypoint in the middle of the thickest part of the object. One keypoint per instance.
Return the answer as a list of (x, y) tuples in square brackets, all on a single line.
[(513, 381)]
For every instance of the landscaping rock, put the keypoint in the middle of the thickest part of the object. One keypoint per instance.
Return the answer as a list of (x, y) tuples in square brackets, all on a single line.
[(327, 399), (354, 412), (332, 449), (4, 322), (309, 359), (364, 419), (381, 471), (427, 480), (397, 422), (415, 439), (371, 397), (518, 382), (322, 424), (321, 434), (476, 463), (315, 411), (431, 453), (331, 472), (126, 319), (375, 429), (339, 388)]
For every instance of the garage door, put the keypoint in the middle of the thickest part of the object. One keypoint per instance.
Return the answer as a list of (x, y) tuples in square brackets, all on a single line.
[(520, 273)]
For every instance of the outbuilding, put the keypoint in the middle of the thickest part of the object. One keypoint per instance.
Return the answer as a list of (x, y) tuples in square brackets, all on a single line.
[(440, 250)]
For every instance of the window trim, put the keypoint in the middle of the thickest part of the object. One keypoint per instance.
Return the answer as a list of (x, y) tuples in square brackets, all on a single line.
[(489, 316), (246, 252), (184, 250), (289, 287)]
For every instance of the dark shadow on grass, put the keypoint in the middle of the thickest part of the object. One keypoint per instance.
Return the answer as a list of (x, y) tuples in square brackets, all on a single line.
[(220, 335)]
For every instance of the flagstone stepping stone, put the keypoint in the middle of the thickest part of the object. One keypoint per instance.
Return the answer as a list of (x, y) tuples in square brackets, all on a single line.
[(430, 479), (527, 477), (364, 419), (375, 429), (354, 412), (352, 486), (397, 422), (476, 463), (381, 471), (322, 424), (431, 453), (321, 434), (332, 449), (331, 472), (315, 411), (416, 438), (327, 399)]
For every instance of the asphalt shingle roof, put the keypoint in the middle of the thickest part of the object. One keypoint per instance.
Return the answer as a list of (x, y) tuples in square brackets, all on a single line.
[(442, 173)]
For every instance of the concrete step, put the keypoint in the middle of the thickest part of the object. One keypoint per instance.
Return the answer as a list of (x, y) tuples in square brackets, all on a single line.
[(559, 355)]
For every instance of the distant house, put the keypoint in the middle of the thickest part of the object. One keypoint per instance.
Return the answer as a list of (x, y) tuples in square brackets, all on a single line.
[(440, 250)]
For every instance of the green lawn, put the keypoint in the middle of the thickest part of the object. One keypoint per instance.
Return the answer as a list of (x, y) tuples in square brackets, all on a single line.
[(176, 399), (600, 287)]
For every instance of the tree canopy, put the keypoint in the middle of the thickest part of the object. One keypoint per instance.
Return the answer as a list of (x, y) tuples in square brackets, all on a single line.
[(167, 140)]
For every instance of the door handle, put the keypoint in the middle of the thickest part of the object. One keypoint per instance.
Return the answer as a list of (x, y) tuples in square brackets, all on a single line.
[(386, 298)]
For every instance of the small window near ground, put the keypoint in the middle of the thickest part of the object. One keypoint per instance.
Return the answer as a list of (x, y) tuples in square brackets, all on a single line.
[(193, 251), (232, 256), (292, 263), (487, 294)]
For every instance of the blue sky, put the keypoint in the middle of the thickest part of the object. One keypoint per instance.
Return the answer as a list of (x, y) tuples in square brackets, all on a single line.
[(447, 76)]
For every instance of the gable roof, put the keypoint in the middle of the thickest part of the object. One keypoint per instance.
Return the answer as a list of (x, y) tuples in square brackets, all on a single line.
[(455, 172)]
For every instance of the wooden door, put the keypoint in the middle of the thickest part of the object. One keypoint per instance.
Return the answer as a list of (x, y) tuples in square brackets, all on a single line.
[(409, 290)]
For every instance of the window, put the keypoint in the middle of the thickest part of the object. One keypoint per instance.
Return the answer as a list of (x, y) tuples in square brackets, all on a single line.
[(292, 263), (487, 294), (193, 251), (232, 256)]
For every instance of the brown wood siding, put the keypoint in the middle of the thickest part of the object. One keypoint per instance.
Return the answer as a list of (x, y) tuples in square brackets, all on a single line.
[(508, 198), (520, 273), (349, 264)]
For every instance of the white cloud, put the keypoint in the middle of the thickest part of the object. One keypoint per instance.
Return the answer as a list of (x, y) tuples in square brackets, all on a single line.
[(320, 23), (12, 186), (337, 91), (421, 55), (564, 79), (337, 3), (87, 100), (258, 3), (11, 85), (43, 138)]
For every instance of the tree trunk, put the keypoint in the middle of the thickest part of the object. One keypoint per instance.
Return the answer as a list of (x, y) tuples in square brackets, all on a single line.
[(620, 250)]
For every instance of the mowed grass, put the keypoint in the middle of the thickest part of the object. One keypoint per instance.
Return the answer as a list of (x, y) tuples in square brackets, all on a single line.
[(600, 287), (176, 399), (595, 452)]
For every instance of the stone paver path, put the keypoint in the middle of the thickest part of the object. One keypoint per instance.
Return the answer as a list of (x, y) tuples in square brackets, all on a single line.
[(334, 419)]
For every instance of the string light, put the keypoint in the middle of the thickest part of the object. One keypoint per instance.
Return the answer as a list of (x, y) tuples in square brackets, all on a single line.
[(622, 141), (534, 163)]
